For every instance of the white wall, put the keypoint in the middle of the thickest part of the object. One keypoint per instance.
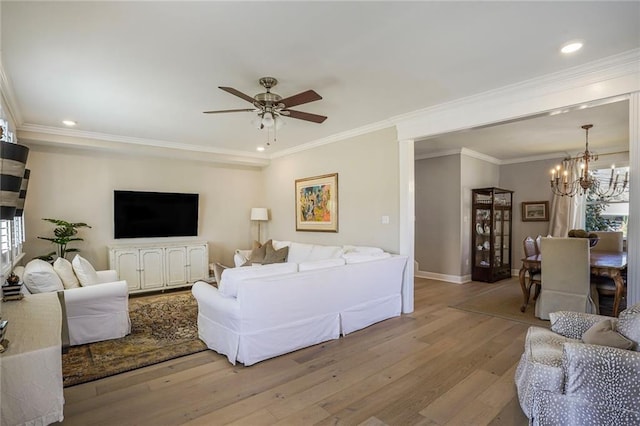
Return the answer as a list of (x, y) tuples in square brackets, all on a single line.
[(530, 181), (78, 185), (437, 226), (443, 212), (368, 181)]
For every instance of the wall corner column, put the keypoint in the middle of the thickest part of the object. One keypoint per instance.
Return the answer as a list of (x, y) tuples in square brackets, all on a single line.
[(633, 232), (407, 219)]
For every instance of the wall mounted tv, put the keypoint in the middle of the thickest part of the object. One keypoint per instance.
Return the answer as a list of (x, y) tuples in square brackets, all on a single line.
[(139, 214)]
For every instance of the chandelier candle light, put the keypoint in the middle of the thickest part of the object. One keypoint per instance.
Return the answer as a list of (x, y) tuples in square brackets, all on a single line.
[(562, 185)]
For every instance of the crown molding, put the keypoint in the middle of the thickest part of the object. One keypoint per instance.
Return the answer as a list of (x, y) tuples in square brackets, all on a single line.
[(426, 122), (48, 130), (8, 97), (337, 137), (473, 154), (35, 135), (436, 154)]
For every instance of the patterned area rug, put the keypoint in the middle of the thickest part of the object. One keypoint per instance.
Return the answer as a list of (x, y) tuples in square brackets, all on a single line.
[(163, 327)]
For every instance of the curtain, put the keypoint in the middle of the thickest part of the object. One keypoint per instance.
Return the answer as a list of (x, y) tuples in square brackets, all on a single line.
[(567, 212)]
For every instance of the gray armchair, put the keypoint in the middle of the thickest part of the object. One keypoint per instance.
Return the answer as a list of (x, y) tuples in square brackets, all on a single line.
[(563, 381)]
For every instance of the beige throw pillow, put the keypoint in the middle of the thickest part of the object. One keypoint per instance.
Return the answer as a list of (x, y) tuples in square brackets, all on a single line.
[(603, 333), (218, 269), (64, 269), (275, 256), (258, 253)]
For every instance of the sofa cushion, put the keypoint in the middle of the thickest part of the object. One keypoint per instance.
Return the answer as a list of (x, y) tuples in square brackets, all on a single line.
[(301, 252), (363, 250), (629, 324), (603, 333), (231, 277), (64, 269), (279, 244), (40, 277), (275, 256), (320, 264), (84, 271), (355, 257)]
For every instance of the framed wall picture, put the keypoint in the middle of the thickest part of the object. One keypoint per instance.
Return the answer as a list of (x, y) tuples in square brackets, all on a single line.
[(317, 203), (535, 211)]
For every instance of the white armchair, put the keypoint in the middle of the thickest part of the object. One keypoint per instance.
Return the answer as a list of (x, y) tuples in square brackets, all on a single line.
[(562, 380), (95, 312)]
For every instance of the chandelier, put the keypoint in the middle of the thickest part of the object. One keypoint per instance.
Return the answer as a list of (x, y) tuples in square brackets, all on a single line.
[(563, 185)]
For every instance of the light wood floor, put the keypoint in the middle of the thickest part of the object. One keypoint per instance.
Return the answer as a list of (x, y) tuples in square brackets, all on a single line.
[(436, 366)]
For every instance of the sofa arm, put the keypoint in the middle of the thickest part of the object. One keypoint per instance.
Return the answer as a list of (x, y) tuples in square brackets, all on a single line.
[(241, 257), (222, 310), (602, 373), (98, 297), (98, 312), (107, 276), (574, 324)]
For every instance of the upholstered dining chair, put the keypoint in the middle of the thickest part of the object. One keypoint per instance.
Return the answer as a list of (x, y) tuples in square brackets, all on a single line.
[(531, 249), (608, 241), (566, 277)]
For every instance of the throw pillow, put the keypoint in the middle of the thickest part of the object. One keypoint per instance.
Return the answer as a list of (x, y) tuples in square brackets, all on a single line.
[(258, 253), (218, 269), (275, 256), (603, 333), (39, 277), (84, 271), (629, 324), (64, 269)]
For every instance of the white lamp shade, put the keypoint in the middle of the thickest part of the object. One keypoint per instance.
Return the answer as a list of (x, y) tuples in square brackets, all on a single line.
[(259, 213)]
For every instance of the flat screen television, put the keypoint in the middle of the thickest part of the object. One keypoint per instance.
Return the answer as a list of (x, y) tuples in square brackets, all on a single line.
[(138, 214)]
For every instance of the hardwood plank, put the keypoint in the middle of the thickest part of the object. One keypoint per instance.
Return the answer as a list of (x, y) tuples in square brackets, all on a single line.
[(428, 362)]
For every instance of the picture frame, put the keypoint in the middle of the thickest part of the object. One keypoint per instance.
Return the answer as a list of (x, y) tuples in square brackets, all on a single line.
[(317, 203), (535, 211)]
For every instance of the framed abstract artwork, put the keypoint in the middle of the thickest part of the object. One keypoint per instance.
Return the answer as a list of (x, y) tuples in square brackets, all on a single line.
[(317, 203), (534, 211)]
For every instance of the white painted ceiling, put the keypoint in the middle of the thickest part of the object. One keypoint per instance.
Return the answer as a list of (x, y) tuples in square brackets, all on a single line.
[(145, 71)]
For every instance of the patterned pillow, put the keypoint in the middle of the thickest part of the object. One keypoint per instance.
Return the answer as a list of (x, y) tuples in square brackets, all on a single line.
[(629, 324)]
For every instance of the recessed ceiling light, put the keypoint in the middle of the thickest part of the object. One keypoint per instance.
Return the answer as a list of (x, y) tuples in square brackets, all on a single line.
[(69, 123), (260, 148), (571, 47)]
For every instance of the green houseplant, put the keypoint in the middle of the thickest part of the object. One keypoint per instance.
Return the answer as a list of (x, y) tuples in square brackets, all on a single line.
[(64, 233)]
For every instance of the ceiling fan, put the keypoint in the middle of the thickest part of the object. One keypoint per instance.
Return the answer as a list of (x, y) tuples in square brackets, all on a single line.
[(270, 106)]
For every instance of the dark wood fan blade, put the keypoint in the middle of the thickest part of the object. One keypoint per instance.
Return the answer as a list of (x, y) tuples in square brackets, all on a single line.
[(228, 110), (300, 98), (306, 116), (237, 93)]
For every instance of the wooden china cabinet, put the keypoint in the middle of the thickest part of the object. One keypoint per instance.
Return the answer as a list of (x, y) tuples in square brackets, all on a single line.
[(491, 234)]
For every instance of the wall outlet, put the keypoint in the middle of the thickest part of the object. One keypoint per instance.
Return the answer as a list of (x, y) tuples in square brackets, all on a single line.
[(385, 220)]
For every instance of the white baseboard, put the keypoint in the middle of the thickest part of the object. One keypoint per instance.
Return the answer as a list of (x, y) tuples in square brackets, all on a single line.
[(456, 279)]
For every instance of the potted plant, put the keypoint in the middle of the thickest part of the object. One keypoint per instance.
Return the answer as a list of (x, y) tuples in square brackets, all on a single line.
[(64, 233)]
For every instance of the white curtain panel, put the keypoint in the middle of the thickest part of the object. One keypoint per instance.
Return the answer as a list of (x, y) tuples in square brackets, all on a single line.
[(567, 212)]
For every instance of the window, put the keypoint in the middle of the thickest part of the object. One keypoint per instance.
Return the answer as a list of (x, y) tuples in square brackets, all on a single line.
[(11, 239), (612, 214)]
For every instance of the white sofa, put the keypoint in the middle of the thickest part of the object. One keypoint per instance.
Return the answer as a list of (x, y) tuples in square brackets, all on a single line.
[(259, 312), (96, 310)]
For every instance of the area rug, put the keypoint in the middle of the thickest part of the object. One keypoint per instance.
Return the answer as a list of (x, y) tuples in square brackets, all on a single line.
[(503, 300), (163, 327)]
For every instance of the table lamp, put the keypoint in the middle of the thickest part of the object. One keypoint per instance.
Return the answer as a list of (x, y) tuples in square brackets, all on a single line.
[(259, 214)]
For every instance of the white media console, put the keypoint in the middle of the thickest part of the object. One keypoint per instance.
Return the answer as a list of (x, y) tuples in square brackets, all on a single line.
[(159, 266)]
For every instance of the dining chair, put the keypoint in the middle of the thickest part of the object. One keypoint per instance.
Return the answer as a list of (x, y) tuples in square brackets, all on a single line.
[(531, 249), (608, 241), (566, 282)]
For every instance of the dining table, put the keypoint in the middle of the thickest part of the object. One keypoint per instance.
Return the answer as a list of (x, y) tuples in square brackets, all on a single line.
[(602, 263)]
